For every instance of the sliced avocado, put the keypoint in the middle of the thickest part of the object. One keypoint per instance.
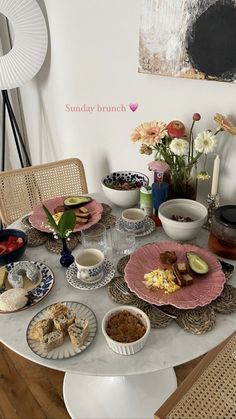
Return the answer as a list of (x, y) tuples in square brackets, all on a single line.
[(76, 201), (196, 263)]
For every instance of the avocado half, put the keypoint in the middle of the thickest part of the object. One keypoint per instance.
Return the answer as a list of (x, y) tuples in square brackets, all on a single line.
[(76, 201), (196, 263)]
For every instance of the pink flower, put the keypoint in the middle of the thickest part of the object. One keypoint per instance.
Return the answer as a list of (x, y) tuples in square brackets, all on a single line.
[(158, 166), (136, 135), (152, 132)]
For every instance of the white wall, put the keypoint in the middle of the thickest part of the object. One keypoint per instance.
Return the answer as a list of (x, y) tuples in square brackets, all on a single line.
[(93, 59)]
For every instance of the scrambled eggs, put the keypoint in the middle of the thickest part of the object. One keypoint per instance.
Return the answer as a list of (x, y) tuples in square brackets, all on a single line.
[(161, 278), (57, 217)]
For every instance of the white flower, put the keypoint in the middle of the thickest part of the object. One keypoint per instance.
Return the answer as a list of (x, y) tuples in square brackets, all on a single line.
[(179, 146), (205, 142), (203, 175)]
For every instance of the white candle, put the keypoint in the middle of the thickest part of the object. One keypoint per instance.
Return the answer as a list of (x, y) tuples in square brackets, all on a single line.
[(215, 176)]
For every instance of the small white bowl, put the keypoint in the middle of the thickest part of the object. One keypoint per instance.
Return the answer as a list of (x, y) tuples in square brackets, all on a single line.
[(177, 230), (132, 347), (123, 198)]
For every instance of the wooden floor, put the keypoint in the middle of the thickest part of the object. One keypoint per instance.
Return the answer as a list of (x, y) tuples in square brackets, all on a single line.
[(30, 391)]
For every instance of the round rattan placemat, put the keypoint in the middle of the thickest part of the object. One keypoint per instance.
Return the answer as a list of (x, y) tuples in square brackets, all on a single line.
[(122, 264), (35, 237), (226, 302), (55, 245), (106, 209), (198, 320)]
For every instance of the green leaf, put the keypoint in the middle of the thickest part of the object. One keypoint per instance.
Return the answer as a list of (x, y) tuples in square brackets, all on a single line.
[(67, 222), (51, 219)]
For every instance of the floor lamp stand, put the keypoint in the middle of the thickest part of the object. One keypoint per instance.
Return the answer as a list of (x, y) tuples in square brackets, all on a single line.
[(20, 146)]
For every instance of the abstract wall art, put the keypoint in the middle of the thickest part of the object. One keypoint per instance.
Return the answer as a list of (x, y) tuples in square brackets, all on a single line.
[(189, 38)]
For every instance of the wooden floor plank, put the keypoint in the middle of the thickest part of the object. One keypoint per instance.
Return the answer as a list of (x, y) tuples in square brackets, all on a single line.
[(31, 391)]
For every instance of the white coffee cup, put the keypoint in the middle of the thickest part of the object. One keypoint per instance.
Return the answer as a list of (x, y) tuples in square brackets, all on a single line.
[(89, 264), (133, 219)]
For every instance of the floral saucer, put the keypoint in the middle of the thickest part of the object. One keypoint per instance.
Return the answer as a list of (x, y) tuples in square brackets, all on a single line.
[(149, 227), (109, 273)]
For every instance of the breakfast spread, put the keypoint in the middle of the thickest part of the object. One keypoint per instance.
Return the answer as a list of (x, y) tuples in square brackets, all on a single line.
[(50, 332), (175, 274), (13, 299), (76, 204), (125, 327)]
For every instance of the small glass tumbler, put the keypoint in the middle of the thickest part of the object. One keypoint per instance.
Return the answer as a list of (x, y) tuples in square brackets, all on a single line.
[(123, 242), (159, 194), (95, 237)]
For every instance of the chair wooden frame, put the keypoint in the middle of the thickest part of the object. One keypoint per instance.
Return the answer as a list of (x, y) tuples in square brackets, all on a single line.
[(23, 189)]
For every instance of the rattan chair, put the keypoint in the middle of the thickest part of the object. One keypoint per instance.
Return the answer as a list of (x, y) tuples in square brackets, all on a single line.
[(23, 189), (209, 390)]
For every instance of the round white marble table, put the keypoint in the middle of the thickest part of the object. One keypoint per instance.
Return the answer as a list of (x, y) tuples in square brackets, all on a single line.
[(165, 348)]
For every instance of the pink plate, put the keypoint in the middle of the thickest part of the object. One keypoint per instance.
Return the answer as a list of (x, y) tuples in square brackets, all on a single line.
[(39, 220), (204, 289)]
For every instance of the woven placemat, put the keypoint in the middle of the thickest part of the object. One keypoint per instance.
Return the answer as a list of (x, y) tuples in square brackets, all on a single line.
[(108, 220), (198, 320), (156, 316), (35, 237), (106, 209), (122, 264), (55, 245), (25, 222), (117, 295), (226, 302)]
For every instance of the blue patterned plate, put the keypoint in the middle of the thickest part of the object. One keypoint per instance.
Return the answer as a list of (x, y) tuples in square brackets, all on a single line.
[(71, 276), (149, 227), (41, 290)]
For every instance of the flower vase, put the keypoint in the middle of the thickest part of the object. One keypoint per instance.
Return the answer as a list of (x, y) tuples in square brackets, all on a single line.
[(183, 183), (66, 258)]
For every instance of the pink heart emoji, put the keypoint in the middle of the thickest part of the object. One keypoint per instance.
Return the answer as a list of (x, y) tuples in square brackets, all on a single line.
[(133, 106)]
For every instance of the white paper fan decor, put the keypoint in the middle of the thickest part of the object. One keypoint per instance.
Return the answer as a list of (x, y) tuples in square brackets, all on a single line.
[(27, 55)]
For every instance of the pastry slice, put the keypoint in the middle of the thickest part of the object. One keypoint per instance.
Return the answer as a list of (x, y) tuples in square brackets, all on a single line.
[(56, 309), (40, 329), (78, 332), (52, 340), (63, 321)]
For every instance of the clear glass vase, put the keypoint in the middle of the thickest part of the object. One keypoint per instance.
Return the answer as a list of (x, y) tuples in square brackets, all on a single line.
[(183, 183)]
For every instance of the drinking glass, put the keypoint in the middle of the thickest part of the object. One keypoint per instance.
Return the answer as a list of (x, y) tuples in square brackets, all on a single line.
[(95, 237), (123, 242)]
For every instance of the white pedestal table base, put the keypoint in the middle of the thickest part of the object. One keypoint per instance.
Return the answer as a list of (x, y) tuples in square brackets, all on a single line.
[(125, 397)]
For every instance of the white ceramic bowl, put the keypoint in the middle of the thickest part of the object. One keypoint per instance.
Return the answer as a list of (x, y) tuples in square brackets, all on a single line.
[(177, 230), (124, 198), (127, 348)]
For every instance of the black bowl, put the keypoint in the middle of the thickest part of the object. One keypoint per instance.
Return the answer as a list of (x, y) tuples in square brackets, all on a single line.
[(15, 254)]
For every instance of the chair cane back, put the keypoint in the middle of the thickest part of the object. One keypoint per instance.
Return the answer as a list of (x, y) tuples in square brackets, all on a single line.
[(23, 189), (209, 390)]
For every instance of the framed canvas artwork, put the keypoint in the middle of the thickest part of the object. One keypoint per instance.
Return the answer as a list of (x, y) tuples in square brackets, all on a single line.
[(189, 38)]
